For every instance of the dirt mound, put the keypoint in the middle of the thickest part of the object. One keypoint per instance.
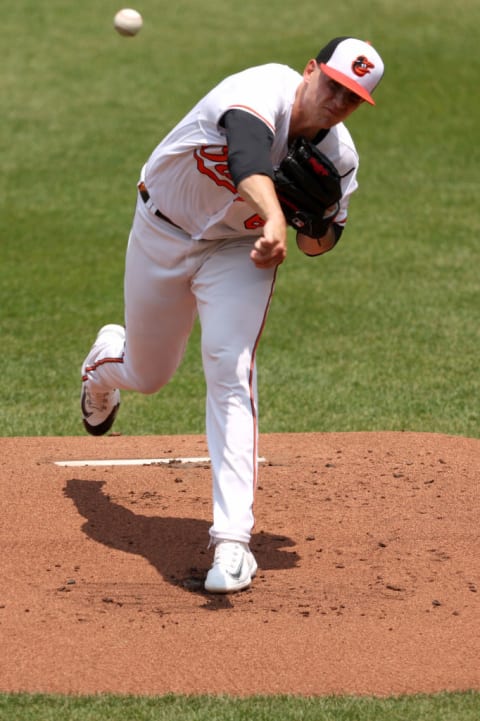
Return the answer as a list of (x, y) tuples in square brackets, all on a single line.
[(367, 546)]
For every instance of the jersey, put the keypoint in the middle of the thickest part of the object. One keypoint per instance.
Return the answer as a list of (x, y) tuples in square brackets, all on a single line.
[(187, 174)]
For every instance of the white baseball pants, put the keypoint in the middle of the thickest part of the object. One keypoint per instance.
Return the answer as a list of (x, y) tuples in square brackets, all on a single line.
[(169, 279)]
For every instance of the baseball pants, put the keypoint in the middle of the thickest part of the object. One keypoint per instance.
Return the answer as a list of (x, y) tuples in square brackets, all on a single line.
[(169, 280)]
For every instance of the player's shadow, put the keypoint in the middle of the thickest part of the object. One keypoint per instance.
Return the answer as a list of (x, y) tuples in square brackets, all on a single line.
[(175, 546)]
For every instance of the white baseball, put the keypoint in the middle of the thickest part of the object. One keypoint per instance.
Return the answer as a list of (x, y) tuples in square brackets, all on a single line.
[(127, 22)]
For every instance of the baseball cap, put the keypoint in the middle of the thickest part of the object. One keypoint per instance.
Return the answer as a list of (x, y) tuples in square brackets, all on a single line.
[(352, 63)]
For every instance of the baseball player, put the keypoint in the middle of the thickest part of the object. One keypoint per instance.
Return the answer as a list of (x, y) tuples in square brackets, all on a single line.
[(207, 238)]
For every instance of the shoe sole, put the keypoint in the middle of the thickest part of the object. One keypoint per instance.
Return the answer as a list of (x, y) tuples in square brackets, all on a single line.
[(236, 589), (104, 427), (101, 428)]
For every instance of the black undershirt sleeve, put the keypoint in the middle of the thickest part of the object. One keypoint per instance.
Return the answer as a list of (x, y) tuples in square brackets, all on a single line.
[(249, 142)]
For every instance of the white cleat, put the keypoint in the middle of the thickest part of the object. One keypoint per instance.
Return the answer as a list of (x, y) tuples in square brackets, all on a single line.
[(99, 409), (100, 406), (233, 568)]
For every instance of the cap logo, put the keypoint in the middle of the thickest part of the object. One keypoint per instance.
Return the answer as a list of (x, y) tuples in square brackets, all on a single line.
[(361, 66)]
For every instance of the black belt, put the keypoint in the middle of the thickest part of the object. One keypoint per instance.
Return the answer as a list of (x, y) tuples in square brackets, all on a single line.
[(145, 196)]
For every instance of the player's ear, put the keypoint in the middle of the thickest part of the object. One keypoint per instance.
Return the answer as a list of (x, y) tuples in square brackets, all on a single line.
[(310, 68)]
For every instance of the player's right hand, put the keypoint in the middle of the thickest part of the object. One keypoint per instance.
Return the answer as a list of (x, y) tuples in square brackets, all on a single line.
[(270, 249), (267, 253)]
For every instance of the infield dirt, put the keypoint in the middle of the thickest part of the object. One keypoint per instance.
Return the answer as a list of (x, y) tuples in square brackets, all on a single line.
[(368, 554)]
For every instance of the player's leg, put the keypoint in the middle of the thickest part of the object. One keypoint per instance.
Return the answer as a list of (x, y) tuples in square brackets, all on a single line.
[(233, 299), (159, 315), (160, 307)]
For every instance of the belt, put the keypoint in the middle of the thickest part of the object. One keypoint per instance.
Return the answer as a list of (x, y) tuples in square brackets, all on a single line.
[(145, 196)]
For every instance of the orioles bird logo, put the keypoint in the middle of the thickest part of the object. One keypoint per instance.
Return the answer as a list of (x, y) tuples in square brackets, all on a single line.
[(361, 66)]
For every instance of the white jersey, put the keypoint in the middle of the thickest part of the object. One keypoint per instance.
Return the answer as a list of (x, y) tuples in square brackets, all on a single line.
[(187, 174)]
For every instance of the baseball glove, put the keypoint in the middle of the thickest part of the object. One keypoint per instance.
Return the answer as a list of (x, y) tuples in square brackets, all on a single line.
[(308, 188)]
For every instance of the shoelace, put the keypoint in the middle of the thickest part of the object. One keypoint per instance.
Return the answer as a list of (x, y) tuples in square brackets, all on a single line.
[(97, 401), (228, 554)]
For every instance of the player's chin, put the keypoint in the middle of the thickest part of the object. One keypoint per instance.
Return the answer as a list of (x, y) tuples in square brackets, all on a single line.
[(329, 119)]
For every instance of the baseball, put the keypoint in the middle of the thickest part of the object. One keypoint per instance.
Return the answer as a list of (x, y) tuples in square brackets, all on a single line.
[(127, 22)]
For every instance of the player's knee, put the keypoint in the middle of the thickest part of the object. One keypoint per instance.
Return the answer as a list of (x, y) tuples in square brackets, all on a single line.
[(225, 369), (147, 385), (148, 380), (147, 388)]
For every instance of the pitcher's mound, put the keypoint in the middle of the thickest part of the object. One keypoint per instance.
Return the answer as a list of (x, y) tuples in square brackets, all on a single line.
[(367, 546)]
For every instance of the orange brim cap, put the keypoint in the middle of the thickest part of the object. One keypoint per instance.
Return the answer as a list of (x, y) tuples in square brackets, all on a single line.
[(347, 82), (354, 64)]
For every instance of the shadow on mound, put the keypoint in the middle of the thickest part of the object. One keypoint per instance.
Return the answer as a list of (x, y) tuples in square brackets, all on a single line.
[(175, 547)]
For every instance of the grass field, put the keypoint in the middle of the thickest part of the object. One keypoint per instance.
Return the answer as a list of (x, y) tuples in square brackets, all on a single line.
[(440, 707), (381, 334)]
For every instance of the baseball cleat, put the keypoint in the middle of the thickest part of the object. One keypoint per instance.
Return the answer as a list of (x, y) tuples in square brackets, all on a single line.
[(99, 405), (99, 409), (233, 568)]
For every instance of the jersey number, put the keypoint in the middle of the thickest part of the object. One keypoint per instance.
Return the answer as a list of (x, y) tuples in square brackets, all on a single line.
[(254, 222), (212, 161)]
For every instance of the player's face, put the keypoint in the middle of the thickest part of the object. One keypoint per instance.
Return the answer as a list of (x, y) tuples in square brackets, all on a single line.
[(327, 102)]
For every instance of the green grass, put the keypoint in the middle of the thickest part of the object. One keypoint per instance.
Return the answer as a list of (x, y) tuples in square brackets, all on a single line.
[(382, 333), (441, 707)]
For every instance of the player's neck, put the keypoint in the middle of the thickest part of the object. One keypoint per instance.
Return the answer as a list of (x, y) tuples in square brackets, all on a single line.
[(306, 130), (301, 123)]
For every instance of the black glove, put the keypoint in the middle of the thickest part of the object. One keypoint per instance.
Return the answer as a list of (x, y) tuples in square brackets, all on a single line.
[(308, 188)]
